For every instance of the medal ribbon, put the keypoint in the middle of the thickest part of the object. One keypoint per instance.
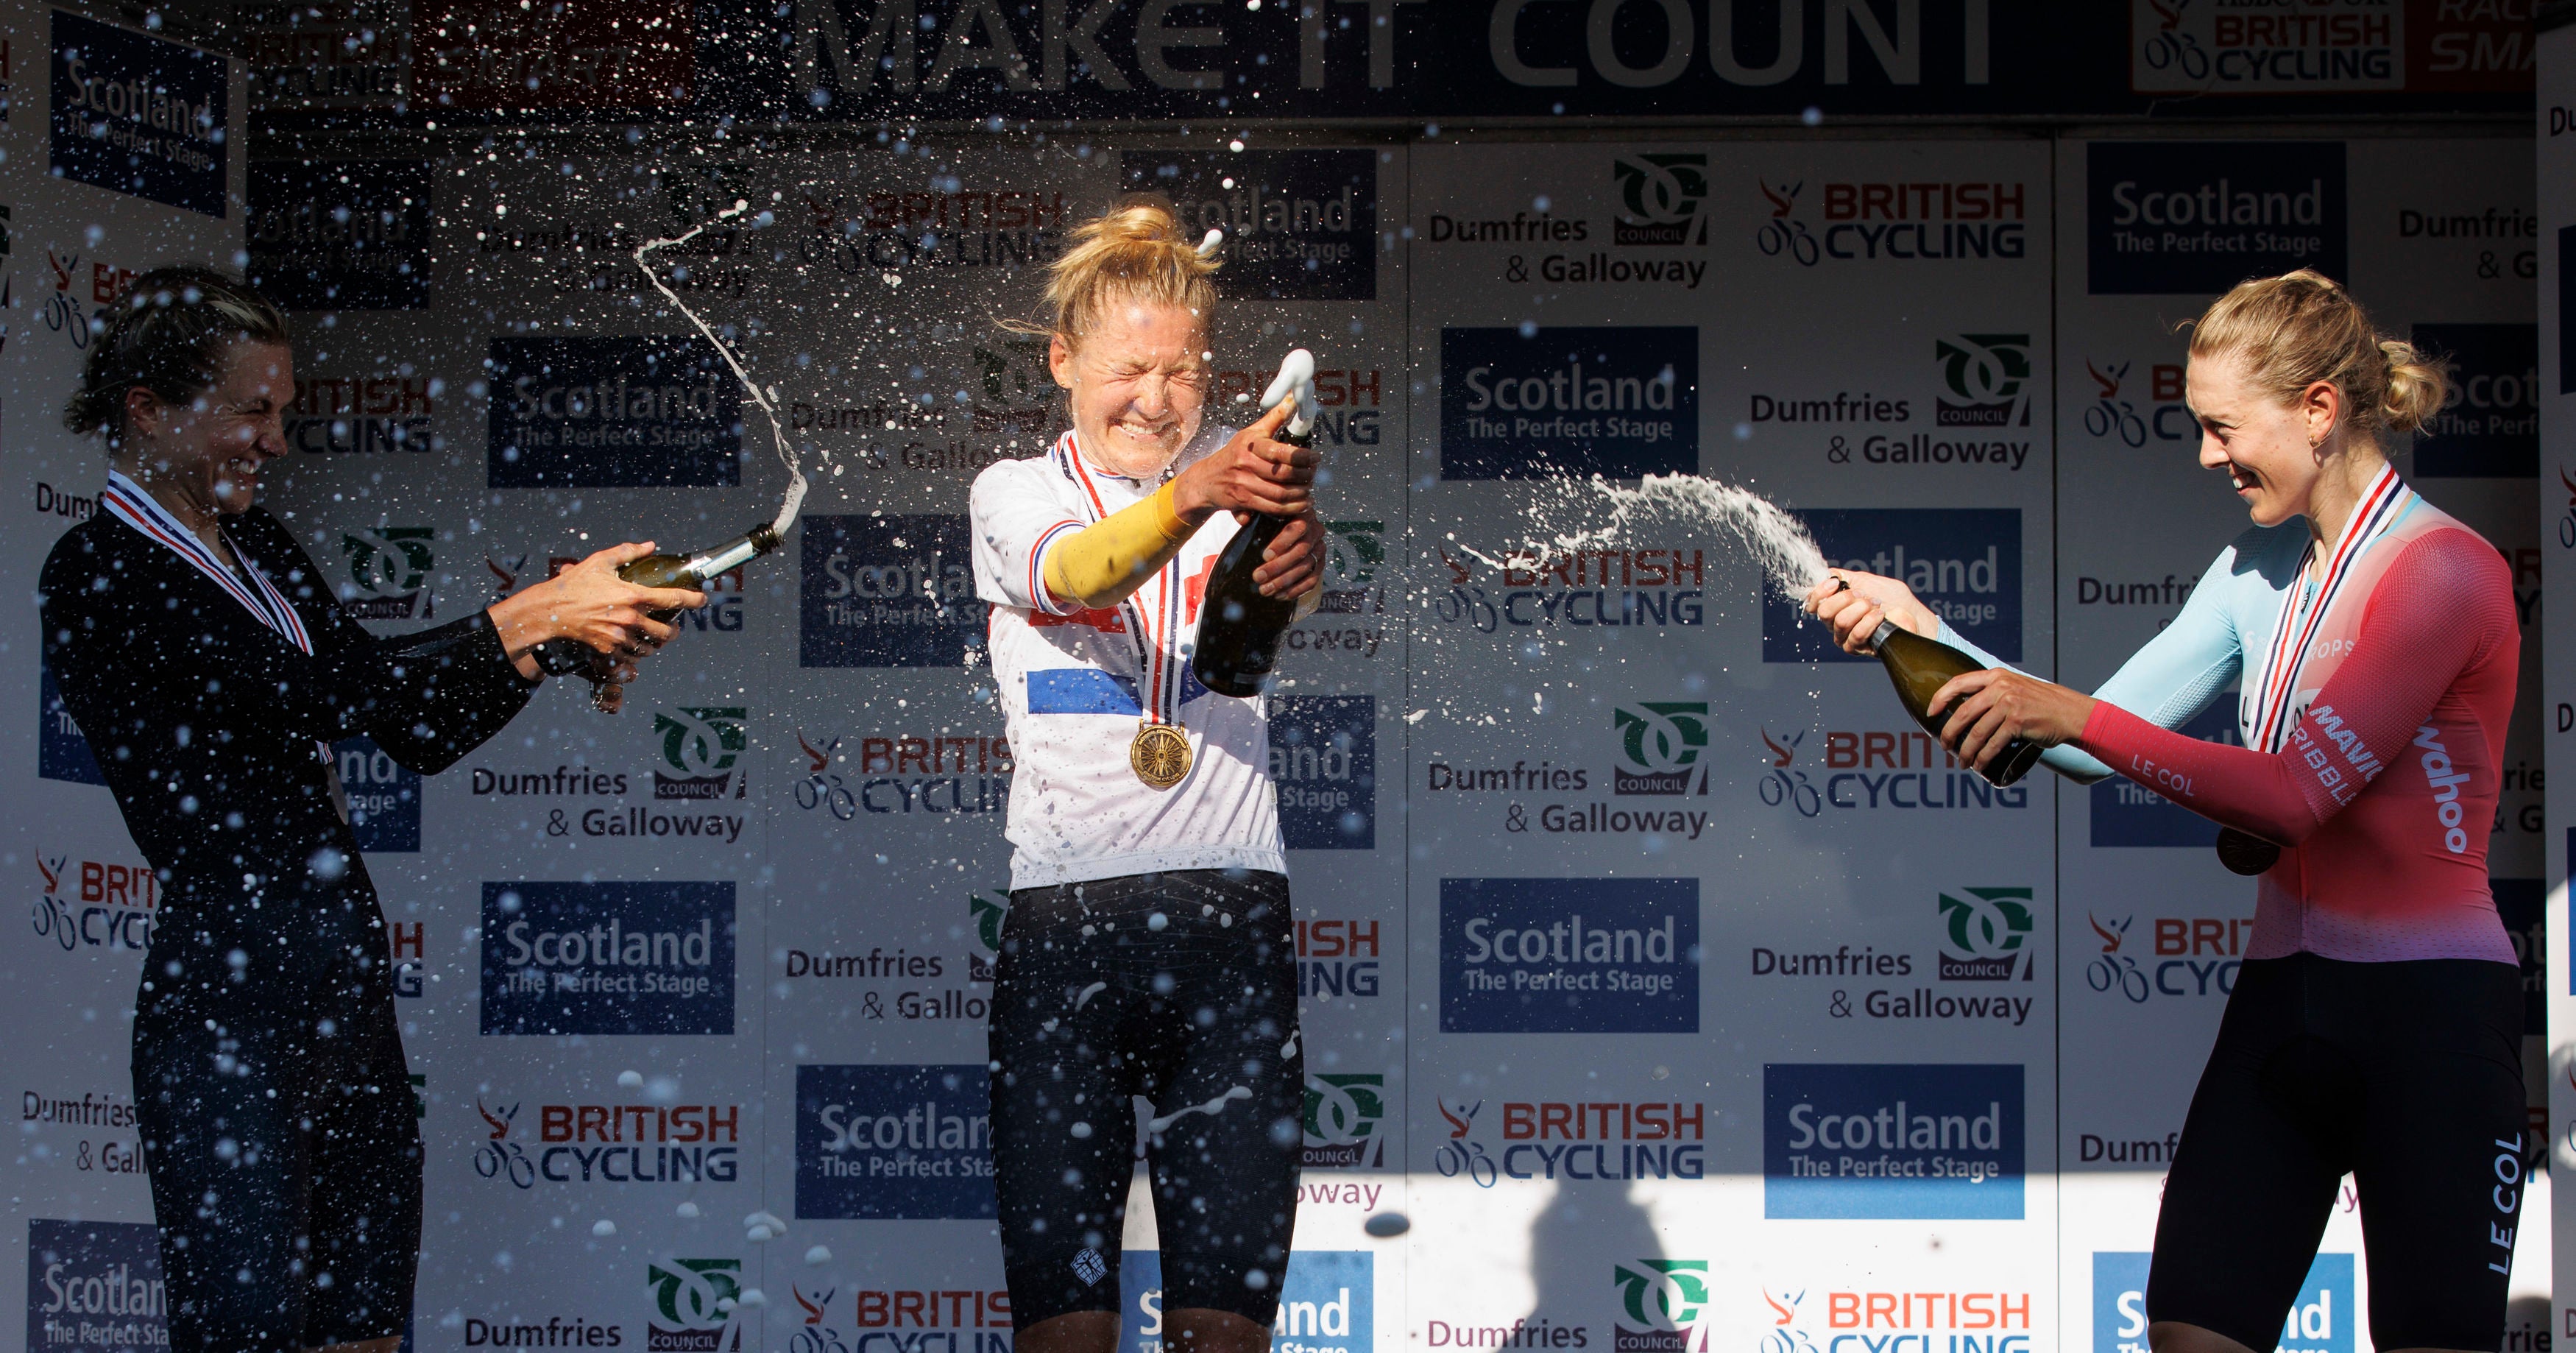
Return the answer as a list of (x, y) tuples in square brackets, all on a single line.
[(128, 503), (1156, 671), (2380, 506)]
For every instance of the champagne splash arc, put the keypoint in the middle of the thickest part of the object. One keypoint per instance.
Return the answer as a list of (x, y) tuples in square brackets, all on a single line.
[(795, 497)]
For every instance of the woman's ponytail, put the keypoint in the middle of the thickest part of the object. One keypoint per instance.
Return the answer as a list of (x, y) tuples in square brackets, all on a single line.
[(2417, 385)]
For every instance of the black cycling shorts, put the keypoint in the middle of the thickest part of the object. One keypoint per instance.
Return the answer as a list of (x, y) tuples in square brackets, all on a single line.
[(2408, 1076), (277, 1121), (1179, 989)]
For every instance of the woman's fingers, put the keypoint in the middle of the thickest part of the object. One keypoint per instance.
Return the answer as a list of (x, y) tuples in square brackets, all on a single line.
[(670, 598), (1963, 684), (654, 632)]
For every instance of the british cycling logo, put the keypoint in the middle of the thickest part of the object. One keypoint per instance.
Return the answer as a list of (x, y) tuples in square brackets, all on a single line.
[(1343, 1113), (1589, 1140), (2196, 956), (1982, 931), (1661, 196), (1914, 221), (929, 772), (694, 1302), (1336, 956), (700, 743), (389, 572), (1662, 1306), (1869, 769), (1985, 374), (1616, 588), (92, 905), (607, 1143), (1981, 1319), (883, 1315), (2164, 416)]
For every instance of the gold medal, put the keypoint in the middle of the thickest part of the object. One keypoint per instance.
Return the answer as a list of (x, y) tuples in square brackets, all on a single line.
[(1160, 754)]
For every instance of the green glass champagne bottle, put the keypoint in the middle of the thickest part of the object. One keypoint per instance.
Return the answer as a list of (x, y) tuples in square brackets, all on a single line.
[(1239, 628), (1920, 667), (569, 657)]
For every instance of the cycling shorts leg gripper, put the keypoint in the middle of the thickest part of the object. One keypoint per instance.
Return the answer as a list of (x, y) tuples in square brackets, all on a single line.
[(1180, 989), (2407, 1075)]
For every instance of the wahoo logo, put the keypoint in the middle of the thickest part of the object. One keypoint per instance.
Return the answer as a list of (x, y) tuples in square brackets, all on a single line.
[(1985, 372), (388, 572), (1660, 742), (701, 744), (1660, 194), (1983, 930), (1661, 1302), (2445, 783), (1343, 1112), (693, 1305)]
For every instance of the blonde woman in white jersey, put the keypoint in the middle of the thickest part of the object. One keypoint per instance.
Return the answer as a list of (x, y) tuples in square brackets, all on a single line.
[(1149, 950)]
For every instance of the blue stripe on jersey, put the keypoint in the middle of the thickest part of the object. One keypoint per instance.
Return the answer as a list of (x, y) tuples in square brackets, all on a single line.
[(1082, 690)]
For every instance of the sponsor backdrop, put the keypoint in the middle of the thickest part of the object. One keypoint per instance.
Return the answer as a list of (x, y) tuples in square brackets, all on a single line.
[(2554, 239), (1679, 991)]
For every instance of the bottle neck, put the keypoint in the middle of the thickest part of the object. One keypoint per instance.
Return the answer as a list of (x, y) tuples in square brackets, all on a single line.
[(1886, 630), (731, 555)]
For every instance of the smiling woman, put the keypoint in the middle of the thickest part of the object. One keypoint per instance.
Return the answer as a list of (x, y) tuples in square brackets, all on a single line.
[(209, 669)]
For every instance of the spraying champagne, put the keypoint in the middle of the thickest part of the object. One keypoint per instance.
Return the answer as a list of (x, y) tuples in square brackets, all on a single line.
[(1239, 628), (1920, 667), (566, 657)]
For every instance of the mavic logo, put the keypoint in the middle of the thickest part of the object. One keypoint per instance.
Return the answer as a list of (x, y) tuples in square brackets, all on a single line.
[(1986, 373), (1983, 930), (701, 743), (1660, 742), (1659, 197), (1661, 1301)]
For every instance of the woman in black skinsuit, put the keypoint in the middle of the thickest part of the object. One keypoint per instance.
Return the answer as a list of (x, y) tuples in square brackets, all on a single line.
[(209, 668)]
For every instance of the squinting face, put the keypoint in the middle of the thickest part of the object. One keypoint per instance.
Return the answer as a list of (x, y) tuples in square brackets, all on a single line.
[(2262, 443), (212, 449), (1138, 383)]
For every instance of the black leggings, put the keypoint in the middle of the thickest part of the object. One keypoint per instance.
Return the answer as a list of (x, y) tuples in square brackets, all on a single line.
[(1180, 989), (2406, 1075), (278, 1122)]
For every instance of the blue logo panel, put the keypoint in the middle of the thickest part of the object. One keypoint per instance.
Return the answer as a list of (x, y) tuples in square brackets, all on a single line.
[(95, 1285), (1618, 402), (1559, 956), (608, 958), (1323, 760), (384, 796), (897, 1142), (341, 235), (1891, 1141), (612, 413), (1327, 1305), (134, 114), (2320, 1321), (62, 753), (2489, 425), (2126, 813), (2197, 217), (1300, 225), (1964, 563), (887, 591)]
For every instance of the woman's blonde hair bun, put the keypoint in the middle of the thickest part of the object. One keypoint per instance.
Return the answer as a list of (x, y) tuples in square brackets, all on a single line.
[(1136, 250), (2302, 327)]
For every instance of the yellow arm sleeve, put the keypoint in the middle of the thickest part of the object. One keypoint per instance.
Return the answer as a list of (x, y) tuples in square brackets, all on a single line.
[(1105, 562)]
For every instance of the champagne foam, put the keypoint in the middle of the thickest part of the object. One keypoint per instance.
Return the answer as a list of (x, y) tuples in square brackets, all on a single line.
[(1777, 541)]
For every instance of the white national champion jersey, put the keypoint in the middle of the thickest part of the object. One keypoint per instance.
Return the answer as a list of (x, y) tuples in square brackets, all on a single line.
[(1075, 685)]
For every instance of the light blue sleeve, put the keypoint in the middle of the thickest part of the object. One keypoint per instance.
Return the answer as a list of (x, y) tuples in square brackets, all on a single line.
[(2170, 680)]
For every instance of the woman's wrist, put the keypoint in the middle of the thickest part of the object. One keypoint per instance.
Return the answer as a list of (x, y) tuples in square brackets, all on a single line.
[(1190, 499), (521, 621)]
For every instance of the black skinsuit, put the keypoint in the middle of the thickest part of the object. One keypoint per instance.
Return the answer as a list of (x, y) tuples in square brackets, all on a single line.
[(276, 1111)]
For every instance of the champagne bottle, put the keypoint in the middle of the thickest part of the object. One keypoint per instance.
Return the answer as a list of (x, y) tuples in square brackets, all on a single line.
[(567, 657), (1920, 667), (1239, 628)]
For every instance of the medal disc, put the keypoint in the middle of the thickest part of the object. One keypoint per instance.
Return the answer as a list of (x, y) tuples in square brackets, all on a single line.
[(2245, 854), (1160, 755)]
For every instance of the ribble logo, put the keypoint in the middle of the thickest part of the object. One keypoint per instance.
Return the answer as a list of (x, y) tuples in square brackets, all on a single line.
[(1964, 563), (2196, 217), (701, 744), (1343, 1114), (887, 591), (596, 413), (694, 1303), (389, 571), (1661, 194), (1554, 955), (1660, 742), (1983, 375), (1323, 764), (1300, 225), (1524, 404), (900, 1141), (608, 958), (1661, 1305), (1892, 1141), (2489, 422), (1982, 931)]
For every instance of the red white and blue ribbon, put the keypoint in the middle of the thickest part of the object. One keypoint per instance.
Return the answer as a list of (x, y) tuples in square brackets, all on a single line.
[(127, 502), (2380, 506), (1157, 671)]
